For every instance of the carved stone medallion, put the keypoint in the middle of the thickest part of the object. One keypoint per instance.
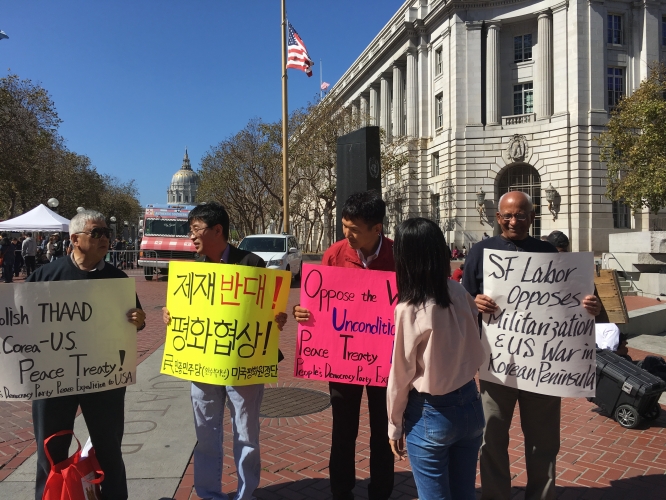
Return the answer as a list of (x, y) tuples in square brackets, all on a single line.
[(517, 149)]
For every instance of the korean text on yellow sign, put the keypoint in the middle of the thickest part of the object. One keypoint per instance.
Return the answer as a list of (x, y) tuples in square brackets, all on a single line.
[(223, 328)]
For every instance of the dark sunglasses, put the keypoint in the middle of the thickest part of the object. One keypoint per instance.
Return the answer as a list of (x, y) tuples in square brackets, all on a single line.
[(97, 232)]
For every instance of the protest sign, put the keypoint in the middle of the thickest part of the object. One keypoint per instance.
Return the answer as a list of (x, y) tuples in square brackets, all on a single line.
[(222, 328), (66, 337), (349, 336), (541, 338)]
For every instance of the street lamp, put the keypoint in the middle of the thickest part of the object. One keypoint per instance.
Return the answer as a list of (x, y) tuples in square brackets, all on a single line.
[(53, 203), (113, 226), (551, 194), (80, 209)]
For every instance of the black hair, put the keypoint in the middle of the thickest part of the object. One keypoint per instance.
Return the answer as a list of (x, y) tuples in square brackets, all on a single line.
[(422, 264), (558, 239), (212, 213), (367, 206), (28, 234)]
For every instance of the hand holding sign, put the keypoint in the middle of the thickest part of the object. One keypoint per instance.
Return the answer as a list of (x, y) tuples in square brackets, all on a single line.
[(541, 336), (54, 347), (346, 329), (224, 323)]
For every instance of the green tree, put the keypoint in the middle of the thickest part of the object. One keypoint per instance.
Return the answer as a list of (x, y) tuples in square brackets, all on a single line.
[(634, 145), (35, 165)]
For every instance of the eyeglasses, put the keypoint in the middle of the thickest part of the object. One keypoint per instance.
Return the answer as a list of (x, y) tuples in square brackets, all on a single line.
[(518, 217), (97, 232), (196, 231)]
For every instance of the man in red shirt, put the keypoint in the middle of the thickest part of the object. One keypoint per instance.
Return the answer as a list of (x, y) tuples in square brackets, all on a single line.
[(364, 247)]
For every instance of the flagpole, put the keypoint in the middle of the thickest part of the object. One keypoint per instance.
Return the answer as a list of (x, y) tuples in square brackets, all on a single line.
[(285, 119), (321, 81)]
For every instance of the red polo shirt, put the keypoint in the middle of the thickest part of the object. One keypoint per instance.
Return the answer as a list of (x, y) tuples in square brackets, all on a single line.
[(340, 254)]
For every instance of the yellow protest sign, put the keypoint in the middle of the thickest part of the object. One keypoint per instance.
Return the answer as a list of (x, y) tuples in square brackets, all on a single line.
[(223, 328)]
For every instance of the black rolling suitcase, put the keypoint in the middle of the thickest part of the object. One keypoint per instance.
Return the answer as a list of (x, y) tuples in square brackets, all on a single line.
[(625, 391)]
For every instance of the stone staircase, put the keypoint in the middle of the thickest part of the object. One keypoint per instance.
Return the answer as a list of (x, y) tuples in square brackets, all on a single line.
[(625, 285)]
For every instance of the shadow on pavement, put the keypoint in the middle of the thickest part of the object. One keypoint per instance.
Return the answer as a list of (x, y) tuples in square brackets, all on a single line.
[(635, 488)]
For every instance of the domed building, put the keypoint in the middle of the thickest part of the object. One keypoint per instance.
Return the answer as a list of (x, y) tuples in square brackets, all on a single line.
[(184, 184)]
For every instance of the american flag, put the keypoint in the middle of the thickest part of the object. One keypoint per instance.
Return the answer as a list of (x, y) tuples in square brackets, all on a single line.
[(297, 54), (325, 85)]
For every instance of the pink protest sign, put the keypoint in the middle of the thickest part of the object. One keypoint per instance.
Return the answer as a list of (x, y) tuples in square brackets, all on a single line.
[(349, 337)]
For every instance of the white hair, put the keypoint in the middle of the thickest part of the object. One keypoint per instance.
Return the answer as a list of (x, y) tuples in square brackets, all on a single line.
[(78, 222), (529, 199)]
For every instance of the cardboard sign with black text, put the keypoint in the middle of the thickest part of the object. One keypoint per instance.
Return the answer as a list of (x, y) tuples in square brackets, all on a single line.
[(541, 338)]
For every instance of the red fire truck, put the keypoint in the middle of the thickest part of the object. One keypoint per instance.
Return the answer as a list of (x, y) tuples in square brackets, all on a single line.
[(165, 238)]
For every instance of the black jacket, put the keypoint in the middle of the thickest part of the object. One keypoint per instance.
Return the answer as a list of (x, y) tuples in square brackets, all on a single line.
[(244, 258)]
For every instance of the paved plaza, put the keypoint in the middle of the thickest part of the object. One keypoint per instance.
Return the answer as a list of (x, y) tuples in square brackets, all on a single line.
[(598, 458)]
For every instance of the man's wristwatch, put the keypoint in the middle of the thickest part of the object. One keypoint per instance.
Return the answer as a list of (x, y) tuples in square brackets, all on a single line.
[(141, 327)]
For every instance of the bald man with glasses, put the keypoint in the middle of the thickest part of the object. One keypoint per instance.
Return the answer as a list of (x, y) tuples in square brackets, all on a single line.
[(539, 414)]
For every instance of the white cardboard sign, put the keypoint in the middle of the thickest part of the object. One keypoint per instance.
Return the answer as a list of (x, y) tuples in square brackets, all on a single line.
[(541, 339), (66, 337)]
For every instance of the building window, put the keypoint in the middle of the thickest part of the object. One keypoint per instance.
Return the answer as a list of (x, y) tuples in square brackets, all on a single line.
[(439, 111), (434, 207), (614, 29), (435, 165), (621, 214), (523, 99), (615, 86), (522, 48), (439, 67)]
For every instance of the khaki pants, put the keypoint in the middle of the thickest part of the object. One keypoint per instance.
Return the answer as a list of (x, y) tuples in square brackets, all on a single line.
[(540, 422)]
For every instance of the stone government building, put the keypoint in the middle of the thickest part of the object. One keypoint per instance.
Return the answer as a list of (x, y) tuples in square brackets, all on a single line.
[(505, 95)]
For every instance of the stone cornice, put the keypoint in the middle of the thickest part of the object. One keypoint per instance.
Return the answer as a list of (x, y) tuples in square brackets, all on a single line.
[(400, 29), (560, 6)]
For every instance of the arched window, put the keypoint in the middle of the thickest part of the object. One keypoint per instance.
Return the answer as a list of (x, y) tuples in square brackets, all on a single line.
[(525, 178)]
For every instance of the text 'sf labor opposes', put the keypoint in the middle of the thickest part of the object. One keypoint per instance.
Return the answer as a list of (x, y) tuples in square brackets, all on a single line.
[(66, 337), (222, 328), (349, 336), (541, 338)]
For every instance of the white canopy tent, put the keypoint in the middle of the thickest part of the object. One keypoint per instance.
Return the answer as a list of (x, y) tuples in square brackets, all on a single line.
[(40, 218)]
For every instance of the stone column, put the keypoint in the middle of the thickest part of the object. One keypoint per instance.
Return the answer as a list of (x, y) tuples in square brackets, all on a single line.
[(424, 94), (597, 50), (354, 115), (560, 88), (412, 93), (385, 106), (364, 110), (493, 110), (398, 117), (544, 104), (374, 106), (473, 82)]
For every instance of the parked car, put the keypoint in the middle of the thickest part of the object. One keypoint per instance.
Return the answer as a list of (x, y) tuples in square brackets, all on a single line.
[(279, 251)]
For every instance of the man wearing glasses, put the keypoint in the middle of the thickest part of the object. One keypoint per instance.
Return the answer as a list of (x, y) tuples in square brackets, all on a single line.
[(209, 232), (103, 411), (539, 414)]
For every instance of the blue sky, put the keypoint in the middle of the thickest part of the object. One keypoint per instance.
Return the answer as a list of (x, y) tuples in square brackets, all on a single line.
[(135, 81)]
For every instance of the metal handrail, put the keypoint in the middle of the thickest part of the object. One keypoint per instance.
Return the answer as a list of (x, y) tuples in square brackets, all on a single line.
[(626, 275)]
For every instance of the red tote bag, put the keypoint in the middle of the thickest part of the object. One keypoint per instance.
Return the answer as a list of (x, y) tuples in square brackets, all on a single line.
[(75, 478)]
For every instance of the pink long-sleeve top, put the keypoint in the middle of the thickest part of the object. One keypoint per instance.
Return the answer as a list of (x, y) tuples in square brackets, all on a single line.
[(437, 350)]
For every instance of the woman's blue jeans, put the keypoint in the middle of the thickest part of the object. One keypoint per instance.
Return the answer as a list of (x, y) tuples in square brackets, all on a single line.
[(443, 436)]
